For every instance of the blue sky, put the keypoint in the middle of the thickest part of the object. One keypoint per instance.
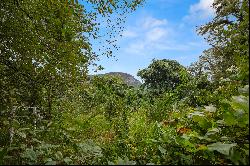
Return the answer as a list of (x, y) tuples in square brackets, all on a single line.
[(160, 29)]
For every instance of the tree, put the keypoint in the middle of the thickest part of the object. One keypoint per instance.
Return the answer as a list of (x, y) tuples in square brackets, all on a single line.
[(228, 34), (41, 44), (163, 75), (45, 48), (213, 65)]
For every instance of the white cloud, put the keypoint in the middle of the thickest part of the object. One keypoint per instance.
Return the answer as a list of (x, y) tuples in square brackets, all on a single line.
[(145, 34), (201, 10), (150, 22), (171, 46), (149, 35), (156, 34), (129, 34), (136, 48)]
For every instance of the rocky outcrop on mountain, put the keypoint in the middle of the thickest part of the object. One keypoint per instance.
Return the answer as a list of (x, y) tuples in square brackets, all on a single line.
[(127, 78)]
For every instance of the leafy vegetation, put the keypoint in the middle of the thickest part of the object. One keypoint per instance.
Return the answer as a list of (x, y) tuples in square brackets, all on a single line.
[(50, 113)]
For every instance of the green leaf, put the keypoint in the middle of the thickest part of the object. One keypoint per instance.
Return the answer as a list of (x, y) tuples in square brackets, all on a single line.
[(86, 46), (224, 138), (67, 160), (6, 122), (21, 134), (15, 123), (125, 161), (196, 115), (210, 108), (153, 140), (235, 157), (36, 140), (229, 119), (240, 102), (220, 122), (245, 89), (202, 147), (221, 147), (204, 123), (51, 163), (30, 154), (59, 155), (110, 163), (197, 118), (185, 136), (49, 124), (213, 131), (162, 150)]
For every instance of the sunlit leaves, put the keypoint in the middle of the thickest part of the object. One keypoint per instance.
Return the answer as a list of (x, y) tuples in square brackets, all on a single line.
[(223, 148), (213, 131)]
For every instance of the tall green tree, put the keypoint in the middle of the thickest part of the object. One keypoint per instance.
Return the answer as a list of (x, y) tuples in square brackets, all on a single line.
[(42, 49), (45, 48), (228, 34), (163, 75)]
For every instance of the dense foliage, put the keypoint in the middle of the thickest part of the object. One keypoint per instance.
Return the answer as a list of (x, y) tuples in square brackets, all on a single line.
[(52, 113), (163, 75)]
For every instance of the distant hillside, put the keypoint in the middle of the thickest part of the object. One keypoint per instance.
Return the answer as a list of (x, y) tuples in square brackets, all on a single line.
[(128, 79)]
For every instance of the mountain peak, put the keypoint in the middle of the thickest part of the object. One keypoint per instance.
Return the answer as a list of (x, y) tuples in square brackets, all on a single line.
[(128, 78)]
